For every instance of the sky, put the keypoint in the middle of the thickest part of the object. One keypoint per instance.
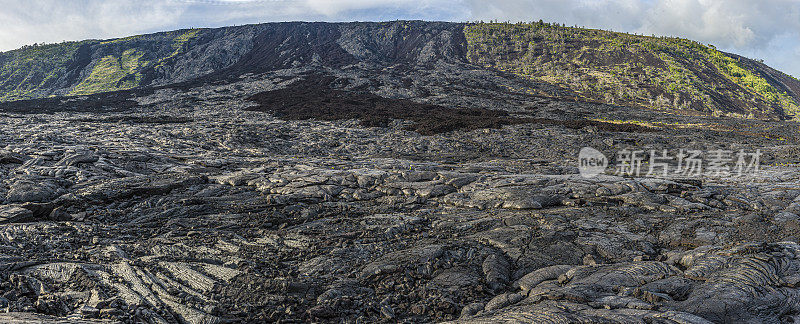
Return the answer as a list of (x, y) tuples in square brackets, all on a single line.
[(759, 29)]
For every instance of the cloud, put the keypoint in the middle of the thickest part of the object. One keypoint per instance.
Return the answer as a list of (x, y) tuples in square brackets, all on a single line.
[(768, 29), (26, 22), (728, 23)]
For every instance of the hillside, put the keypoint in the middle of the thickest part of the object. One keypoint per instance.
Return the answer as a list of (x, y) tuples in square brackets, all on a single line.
[(93, 66), (653, 72)]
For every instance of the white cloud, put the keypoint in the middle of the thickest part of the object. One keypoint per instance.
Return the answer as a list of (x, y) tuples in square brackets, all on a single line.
[(26, 22), (728, 23)]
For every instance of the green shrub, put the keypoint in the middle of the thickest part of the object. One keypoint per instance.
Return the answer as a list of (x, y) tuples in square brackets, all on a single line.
[(628, 69)]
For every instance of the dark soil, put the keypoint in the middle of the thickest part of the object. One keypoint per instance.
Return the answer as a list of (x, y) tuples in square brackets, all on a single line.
[(314, 98), (602, 126), (102, 102)]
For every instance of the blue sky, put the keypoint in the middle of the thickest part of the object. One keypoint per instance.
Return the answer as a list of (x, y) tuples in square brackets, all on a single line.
[(760, 29)]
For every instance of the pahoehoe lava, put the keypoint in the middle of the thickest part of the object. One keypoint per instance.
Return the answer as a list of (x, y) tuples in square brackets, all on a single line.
[(379, 172)]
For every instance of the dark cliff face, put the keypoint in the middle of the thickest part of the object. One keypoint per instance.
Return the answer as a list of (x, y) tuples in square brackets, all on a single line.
[(655, 73), (413, 42), (165, 58), (335, 45)]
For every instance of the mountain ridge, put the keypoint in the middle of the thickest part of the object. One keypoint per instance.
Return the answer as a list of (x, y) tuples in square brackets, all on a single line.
[(652, 72)]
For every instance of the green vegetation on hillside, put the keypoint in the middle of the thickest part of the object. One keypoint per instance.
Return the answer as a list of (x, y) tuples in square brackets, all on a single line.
[(655, 72), (32, 71), (122, 72), (179, 45), (113, 73), (24, 72)]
